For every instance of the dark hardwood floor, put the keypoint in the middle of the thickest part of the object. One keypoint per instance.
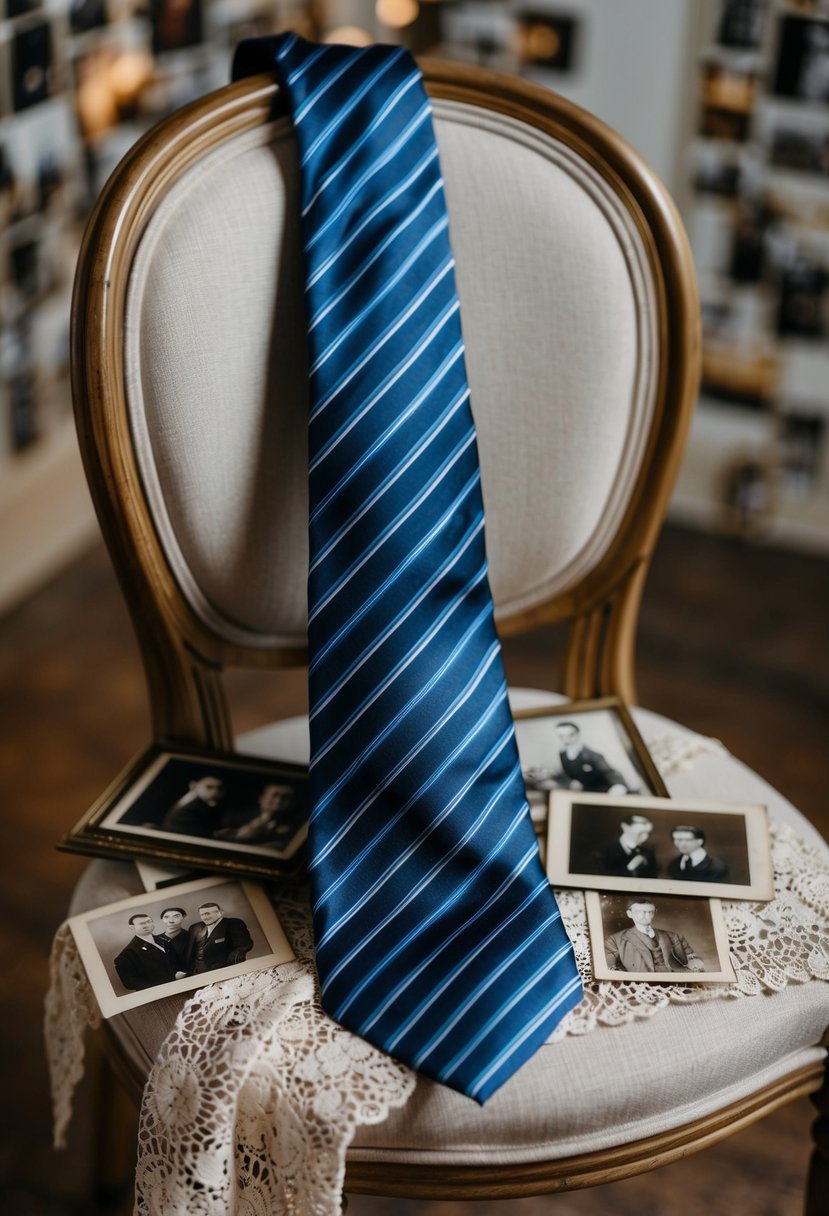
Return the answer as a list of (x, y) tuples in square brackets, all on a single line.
[(733, 642)]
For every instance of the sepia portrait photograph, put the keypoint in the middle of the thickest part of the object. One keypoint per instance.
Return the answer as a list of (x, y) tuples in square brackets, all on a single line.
[(659, 844), (152, 946), (583, 745), (195, 811), (661, 939)]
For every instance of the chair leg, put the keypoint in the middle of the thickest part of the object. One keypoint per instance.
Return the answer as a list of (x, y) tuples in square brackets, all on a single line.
[(817, 1183), (116, 1131)]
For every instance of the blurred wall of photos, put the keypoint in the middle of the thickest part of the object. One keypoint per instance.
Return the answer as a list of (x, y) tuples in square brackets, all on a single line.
[(81, 80)]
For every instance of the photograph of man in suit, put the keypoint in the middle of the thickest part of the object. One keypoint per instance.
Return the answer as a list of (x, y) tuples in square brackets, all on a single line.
[(273, 821), (219, 941), (196, 813), (144, 961), (175, 939), (644, 947), (630, 856), (694, 863), (584, 768)]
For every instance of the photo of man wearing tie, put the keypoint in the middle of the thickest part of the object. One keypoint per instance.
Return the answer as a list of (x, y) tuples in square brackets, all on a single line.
[(695, 863), (144, 961), (219, 941)]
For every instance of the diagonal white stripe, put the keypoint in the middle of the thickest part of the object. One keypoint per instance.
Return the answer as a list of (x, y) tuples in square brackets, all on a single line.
[(454, 897), (455, 353), (476, 995), (457, 967), (389, 826), (403, 616), (421, 167), (391, 479), (377, 253), (342, 113), (390, 430), (427, 876), (424, 741), (321, 90), (286, 46), (359, 185), (538, 1020), (504, 1009), (389, 383), (426, 241), (366, 357), (407, 660), (394, 526)]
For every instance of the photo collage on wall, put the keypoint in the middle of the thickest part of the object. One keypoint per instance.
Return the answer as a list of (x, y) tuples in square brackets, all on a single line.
[(80, 81), (759, 227)]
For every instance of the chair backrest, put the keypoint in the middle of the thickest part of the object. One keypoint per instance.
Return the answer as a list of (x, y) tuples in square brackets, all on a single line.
[(190, 378)]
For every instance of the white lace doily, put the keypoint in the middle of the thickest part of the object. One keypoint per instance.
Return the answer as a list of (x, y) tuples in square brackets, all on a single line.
[(256, 1094)]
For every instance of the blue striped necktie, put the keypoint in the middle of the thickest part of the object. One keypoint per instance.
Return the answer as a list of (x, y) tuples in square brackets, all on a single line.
[(437, 935)]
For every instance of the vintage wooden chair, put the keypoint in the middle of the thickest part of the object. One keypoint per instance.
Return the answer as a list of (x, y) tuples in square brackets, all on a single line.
[(581, 324)]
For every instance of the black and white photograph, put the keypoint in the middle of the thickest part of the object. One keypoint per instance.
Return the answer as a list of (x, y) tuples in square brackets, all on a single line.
[(802, 149), (802, 439), (195, 811), (583, 745), (34, 75), (152, 946), (657, 938), (659, 844), (802, 62)]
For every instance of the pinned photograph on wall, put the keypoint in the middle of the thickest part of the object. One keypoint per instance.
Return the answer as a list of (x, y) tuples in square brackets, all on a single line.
[(582, 745), (34, 73), (659, 845), (198, 811), (153, 946), (659, 939), (802, 440), (728, 95), (801, 68)]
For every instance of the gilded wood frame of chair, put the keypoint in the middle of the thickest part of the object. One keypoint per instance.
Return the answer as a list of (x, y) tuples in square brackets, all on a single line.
[(184, 659)]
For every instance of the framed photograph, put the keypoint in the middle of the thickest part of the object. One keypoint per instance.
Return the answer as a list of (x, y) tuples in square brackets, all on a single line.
[(660, 939), (153, 946), (659, 845), (197, 811), (583, 745)]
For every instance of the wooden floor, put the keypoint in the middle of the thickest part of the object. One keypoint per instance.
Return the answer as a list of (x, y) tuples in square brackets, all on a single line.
[(733, 642)]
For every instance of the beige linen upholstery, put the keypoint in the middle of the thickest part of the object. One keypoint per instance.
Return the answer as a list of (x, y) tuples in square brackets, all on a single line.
[(582, 1094), (558, 319)]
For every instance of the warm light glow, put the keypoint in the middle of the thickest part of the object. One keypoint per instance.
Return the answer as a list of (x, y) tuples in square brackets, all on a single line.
[(397, 13), (349, 35), (542, 42), (129, 74)]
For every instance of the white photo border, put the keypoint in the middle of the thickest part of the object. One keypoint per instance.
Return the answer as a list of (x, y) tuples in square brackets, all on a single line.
[(679, 810), (601, 971), (111, 1003)]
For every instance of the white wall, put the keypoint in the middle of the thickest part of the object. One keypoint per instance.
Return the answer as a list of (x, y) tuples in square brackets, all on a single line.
[(636, 70)]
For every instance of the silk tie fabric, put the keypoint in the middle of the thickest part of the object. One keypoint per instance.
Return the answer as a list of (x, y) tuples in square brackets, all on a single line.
[(438, 937)]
